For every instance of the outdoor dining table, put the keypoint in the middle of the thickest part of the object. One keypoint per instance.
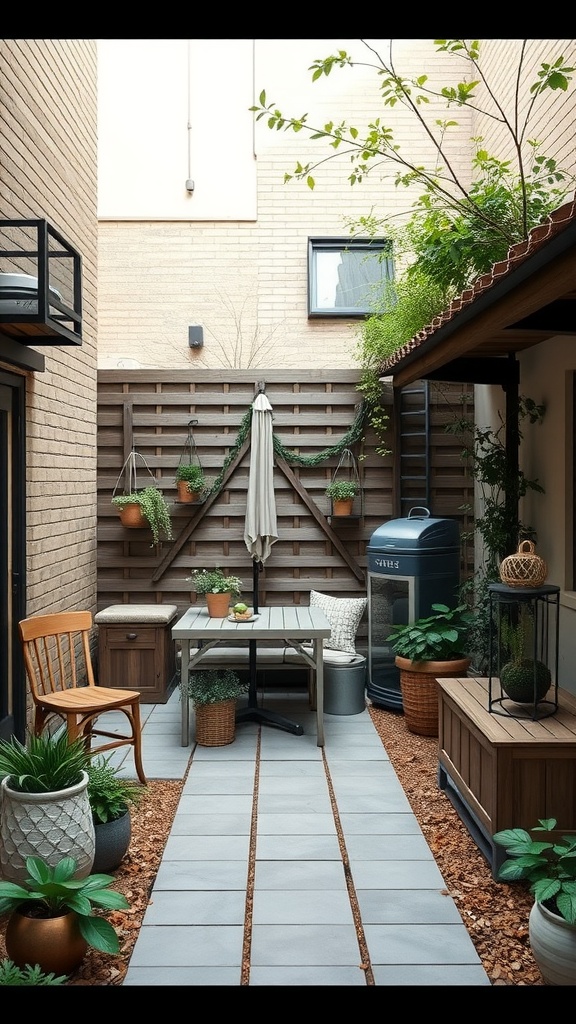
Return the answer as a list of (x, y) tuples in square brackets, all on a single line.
[(293, 624)]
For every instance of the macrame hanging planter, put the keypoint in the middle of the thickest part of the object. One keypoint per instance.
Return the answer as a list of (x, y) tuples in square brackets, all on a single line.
[(190, 480), (344, 490), (141, 504)]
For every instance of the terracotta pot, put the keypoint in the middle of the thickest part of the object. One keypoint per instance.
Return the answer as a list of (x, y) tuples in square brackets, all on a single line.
[(54, 943), (112, 839), (418, 683), (218, 605), (343, 507), (131, 516), (47, 825), (184, 495), (553, 945)]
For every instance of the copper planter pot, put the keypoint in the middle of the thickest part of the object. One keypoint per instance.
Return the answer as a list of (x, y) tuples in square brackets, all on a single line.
[(54, 943)]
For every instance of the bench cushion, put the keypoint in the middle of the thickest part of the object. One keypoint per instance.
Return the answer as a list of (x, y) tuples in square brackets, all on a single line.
[(329, 657), (240, 655), (142, 613)]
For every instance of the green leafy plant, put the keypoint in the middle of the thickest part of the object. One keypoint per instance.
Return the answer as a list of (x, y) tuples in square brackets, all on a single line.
[(438, 637), (155, 510), (214, 581), (549, 866), (109, 794), (52, 891), (211, 685), (192, 474), (340, 490), (45, 764), (10, 974)]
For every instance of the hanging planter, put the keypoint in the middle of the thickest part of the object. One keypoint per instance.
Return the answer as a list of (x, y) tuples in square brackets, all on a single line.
[(142, 507), (190, 481), (344, 488)]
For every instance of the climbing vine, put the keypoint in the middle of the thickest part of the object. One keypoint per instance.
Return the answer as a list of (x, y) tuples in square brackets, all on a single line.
[(353, 434)]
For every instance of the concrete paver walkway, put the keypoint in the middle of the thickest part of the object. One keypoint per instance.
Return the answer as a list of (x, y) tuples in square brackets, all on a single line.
[(302, 835)]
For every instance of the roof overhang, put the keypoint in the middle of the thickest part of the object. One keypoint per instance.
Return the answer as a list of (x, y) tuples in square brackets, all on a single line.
[(525, 300)]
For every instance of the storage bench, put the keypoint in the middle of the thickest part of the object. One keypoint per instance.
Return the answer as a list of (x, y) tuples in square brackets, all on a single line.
[(136, 650)]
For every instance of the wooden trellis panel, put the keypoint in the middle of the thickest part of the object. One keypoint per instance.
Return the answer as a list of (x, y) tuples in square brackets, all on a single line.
[(150, 410)]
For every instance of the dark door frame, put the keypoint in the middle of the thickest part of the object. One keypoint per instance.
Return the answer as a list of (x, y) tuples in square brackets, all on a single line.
[(12, 552)]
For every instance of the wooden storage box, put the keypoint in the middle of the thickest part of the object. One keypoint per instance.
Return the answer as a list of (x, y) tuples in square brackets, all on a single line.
[(136, 650)]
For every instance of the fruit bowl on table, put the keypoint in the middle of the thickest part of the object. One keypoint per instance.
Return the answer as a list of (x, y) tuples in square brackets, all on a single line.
[(241, 616)]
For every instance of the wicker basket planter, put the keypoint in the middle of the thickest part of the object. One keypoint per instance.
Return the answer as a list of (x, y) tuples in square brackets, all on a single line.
[(419, 686), (525, 568), (216, 723)]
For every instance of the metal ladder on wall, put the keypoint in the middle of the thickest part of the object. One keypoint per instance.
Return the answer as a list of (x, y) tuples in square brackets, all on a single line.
[(412, 462)]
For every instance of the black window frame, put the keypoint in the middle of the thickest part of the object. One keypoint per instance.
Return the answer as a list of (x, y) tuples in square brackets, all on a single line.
[(318, 246)]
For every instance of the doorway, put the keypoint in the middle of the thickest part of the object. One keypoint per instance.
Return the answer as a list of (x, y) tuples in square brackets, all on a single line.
[(12, 554)]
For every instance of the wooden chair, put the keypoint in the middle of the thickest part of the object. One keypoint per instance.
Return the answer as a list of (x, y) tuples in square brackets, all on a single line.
[(61, 679)]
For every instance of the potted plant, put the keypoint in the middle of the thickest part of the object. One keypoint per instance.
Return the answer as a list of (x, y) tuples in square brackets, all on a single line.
[(45, 806), (111, 797), (523, 679), (549, 865), (342, 494), (190, 482), (432, 646), (218, 587), (147, 507), (214, 693), (51, 921)]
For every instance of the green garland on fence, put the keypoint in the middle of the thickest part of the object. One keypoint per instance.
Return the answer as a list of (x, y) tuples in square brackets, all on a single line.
[(353, 434)]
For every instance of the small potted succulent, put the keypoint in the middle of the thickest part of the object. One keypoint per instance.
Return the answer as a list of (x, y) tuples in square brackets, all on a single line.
[(429, 648), (342, 494), (218, 587)]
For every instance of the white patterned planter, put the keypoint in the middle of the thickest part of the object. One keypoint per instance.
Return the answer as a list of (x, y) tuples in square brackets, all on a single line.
[(553, 945), (47, 825)]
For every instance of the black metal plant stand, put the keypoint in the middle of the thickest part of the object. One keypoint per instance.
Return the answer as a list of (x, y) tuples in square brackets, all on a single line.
[(253, 713), (542, 604)]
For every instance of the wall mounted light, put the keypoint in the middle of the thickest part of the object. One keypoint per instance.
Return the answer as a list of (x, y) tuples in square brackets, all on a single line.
[(196, 336)]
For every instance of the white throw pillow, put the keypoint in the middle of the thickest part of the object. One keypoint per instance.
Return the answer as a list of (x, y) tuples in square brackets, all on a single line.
[(343, 614)]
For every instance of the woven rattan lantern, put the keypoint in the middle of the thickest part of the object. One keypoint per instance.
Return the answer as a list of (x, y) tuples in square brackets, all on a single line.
[(525, 568)]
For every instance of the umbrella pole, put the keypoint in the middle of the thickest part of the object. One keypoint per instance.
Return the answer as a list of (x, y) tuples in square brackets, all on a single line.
[(252, 713)]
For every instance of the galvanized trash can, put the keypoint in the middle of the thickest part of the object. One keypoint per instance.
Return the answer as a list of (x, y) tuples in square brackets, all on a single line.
[(345, 687), (413, 563)]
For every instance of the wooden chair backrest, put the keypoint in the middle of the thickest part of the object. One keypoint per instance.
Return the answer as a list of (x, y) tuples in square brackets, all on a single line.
[(56, 651)]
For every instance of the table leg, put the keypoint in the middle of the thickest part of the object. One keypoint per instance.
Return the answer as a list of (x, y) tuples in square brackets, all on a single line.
[(185, 700), (319, 658)]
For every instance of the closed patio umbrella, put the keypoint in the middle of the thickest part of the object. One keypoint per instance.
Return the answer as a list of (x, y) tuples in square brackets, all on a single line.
[(260, 533)]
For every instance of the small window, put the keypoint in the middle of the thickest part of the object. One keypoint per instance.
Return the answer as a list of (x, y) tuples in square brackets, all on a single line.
[(348, 277)]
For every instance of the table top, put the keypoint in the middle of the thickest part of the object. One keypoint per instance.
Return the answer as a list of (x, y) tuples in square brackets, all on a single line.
[(298, 622)]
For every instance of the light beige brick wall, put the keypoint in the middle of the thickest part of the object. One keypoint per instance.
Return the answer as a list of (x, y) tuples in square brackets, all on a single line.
[(246, 282), (553, 115), (48, 170)]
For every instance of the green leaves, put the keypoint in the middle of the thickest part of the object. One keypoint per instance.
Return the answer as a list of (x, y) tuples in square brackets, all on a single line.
[(438, 637), (55, 890), (549, 866), (210, 686), (44, 765)]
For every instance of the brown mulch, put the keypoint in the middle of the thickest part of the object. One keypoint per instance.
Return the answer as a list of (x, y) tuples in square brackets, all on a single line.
[(495, 914)]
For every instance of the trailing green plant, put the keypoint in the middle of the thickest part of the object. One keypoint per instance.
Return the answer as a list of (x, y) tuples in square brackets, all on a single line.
[(155, 510), (442, 636), (214, 581), (45, 764), (109, 794), (49, 892), (211, 685), (549, 866), (523, 678), (341, 490), (10, 974)]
